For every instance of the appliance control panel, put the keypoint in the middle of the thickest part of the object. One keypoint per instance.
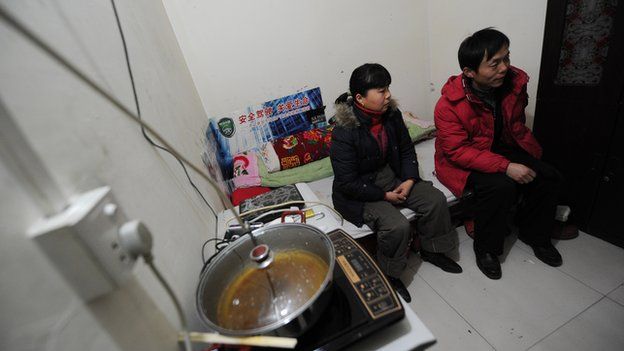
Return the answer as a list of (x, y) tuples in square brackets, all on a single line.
[(364, 275)]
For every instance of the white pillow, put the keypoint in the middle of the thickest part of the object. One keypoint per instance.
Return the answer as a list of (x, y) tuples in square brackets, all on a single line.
[(269, 156)]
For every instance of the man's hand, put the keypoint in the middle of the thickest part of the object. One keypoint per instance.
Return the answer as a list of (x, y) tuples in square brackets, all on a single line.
[(520, 173), (404, 188)]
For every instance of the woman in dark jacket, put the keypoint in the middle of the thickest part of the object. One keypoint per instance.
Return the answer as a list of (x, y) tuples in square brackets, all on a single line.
[(376, 171)]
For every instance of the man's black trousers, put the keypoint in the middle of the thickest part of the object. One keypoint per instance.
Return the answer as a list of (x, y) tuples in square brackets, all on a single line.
[(496, 195)]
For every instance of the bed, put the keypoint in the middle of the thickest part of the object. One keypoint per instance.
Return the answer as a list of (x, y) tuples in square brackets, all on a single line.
[(314, 180)]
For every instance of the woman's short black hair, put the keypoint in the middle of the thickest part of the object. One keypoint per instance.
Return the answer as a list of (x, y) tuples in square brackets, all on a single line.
[(484, 43), (367, 76)]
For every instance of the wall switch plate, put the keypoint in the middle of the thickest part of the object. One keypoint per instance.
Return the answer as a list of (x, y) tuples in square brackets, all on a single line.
[(82, 242)]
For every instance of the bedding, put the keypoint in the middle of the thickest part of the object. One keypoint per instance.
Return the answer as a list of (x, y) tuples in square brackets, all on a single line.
[(241, 194), (297, 149), (245, 170), (319, 178), (322, 168), (418, 133), (251, 171), (306, 173), (417, 128), (312, 145)]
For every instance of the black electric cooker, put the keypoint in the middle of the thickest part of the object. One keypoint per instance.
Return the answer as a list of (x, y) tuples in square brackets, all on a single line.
[(362, 302)]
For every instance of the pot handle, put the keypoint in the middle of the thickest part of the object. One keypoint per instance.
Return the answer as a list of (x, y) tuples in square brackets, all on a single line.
[(300, 213)]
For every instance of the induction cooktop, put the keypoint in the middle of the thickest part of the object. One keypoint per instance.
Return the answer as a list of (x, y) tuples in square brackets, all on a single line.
[(363, 301)]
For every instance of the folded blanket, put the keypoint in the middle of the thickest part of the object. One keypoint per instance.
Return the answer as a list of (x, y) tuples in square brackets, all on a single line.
[(412, 118), (306, 173), (418, 129), (297, 149)]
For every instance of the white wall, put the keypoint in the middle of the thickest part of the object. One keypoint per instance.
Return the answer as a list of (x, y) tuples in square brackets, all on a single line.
[(244, 52), (85, 143), (451, 21)]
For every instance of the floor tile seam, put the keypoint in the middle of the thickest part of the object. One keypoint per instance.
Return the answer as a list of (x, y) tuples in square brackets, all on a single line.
[(566, 323), (457, 312), (614, 289), (560, 270), (580, 281), (601, 297), (526, 249), (619, 303)]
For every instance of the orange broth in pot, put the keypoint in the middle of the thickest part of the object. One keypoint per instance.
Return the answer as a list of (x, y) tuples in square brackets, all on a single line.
[(259, 297)]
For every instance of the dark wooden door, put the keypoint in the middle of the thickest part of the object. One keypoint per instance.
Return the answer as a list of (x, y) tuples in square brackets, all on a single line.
[(606, 218), (578, 117)]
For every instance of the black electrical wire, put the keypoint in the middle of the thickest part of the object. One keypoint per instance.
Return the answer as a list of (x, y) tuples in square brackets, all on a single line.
[(204, 248), (219, 246), (136, 102)]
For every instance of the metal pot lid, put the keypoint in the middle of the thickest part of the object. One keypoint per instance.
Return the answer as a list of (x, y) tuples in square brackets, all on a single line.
[(253, 289)]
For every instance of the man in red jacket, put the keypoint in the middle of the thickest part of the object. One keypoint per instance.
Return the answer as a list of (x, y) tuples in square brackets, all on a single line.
[(484, 145)]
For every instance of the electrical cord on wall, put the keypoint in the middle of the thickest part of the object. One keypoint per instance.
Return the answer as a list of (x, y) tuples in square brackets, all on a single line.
[(19, 27), (138, 110), (13, 22), (136, 240), (149, 260)]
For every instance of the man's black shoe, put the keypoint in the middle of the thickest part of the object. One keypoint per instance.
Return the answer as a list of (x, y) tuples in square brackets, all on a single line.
[(400, 288), (548, 254), (489, 265), (440, 260)]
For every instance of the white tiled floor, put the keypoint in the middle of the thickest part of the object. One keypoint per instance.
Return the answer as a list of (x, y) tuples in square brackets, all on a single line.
[(618, 295), (578, 306)]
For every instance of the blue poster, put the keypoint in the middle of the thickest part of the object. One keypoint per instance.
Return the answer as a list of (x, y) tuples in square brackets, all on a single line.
[(251, 127)]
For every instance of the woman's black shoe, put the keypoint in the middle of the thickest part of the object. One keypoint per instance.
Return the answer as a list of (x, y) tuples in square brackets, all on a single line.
[(400, 288), (440, 260)]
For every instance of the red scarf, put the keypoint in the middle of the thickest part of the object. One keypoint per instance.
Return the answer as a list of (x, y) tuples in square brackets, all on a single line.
[(376, 129)]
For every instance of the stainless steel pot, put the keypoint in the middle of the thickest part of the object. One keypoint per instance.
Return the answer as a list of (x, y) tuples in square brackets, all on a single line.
[(249, 290)]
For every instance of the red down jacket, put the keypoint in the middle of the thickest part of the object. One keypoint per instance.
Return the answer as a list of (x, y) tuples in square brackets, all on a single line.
[(466, 130)]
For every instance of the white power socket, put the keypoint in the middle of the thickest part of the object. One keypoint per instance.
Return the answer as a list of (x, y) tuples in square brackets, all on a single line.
[(83, 243), (562, 213)]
